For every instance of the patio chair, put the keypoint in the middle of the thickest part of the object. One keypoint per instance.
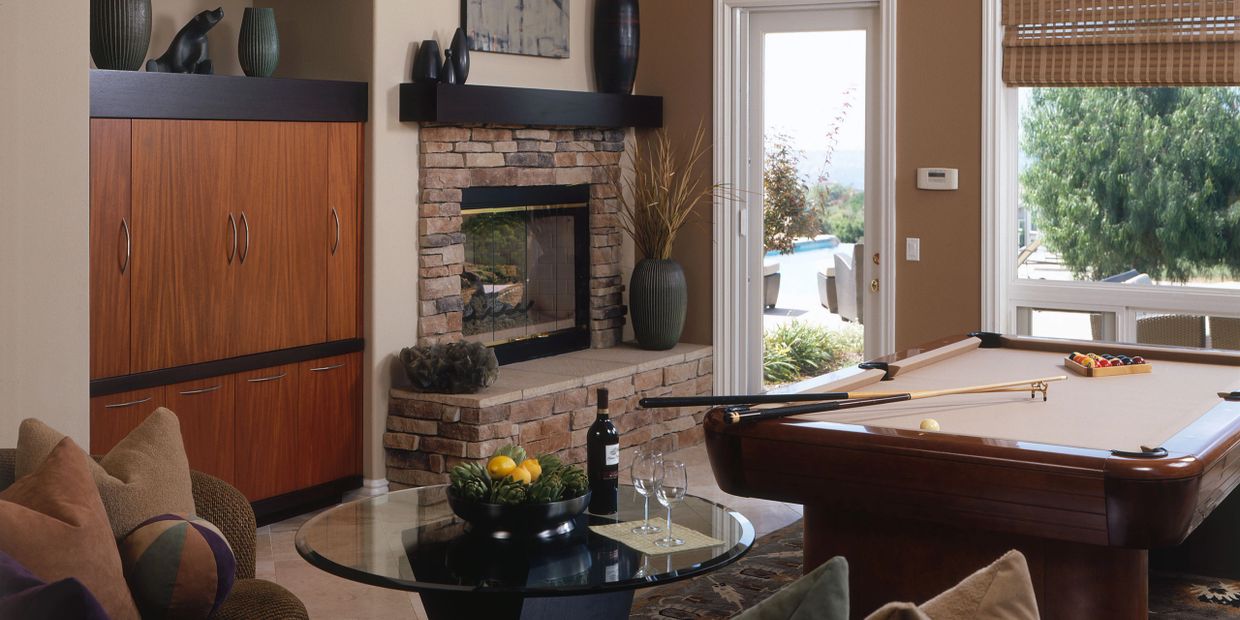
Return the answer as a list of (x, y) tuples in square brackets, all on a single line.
[(849, 285), (1224, 333), (1184, 330), (770, 283), (826, 288)]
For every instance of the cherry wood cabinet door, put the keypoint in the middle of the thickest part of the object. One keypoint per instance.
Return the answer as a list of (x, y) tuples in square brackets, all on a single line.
[(281, 196), (113, 416), (329, 418), (205, 410), (267, 440), (182, 242), (344, 248), (111, 228)]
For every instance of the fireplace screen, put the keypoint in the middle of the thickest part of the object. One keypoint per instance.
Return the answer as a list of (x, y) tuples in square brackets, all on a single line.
[(525, 283)]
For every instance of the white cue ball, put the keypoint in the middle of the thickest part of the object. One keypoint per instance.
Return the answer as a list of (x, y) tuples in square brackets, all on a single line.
[(929, 424)]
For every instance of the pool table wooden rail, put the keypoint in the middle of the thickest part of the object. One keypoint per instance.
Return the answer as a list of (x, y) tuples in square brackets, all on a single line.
[(1041, 490)]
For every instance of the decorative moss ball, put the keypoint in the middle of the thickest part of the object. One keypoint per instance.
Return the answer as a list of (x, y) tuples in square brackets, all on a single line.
[(455, 368)]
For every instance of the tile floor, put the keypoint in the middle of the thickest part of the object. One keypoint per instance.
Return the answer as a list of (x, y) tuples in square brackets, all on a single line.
[(327, 596)]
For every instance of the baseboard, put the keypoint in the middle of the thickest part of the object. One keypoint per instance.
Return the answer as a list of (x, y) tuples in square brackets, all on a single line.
[(281, 507), (371, 487)]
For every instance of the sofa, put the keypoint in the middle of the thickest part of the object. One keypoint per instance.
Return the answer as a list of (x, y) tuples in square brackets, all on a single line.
[(226, 508)]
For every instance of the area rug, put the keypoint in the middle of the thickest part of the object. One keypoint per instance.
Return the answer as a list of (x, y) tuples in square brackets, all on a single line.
[(775, 561)]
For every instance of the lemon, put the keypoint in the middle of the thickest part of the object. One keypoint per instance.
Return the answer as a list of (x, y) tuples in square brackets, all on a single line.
[(532, 466), (520, 474), (500, 466)]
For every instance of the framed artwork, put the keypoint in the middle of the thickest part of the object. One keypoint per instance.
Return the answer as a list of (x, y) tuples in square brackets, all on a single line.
[(525, 27)]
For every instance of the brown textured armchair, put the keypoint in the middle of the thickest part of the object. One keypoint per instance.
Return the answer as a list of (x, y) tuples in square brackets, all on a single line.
[(224, 506)]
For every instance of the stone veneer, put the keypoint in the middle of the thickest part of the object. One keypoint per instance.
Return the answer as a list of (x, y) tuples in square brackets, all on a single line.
[(547, 406), (458, 156)]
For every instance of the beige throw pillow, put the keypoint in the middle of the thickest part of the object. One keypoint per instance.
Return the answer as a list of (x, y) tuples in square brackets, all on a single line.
[(145, 475), (1001, 591)]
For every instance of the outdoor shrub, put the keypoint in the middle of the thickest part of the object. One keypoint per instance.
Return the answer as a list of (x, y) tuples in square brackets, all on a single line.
[(796, 350)]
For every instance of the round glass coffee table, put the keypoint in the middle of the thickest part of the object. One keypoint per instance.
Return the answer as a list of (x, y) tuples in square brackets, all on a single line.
[(411, 540)]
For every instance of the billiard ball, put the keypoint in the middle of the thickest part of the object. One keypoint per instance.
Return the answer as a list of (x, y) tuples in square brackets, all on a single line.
[(929, 424), (1137, 359)]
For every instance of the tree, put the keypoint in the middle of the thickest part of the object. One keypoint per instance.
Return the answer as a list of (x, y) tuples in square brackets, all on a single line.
[(1144, 178), (786, 214), (841, 209)]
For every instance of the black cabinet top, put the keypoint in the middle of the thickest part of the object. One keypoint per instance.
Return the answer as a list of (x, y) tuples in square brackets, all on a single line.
[(502, 105), (137, 94)]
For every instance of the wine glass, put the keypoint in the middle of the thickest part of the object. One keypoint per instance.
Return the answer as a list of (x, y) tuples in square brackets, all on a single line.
[(670, 490), (646, 472)]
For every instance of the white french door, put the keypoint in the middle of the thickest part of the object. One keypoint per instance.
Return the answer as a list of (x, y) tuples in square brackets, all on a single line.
[(745, 114)]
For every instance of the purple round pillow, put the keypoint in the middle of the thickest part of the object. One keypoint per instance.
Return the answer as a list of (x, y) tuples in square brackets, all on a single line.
[(178, 566)]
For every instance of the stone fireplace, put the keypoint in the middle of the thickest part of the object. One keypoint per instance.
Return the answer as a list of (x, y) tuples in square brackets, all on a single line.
[(464, 161), (520, 248)]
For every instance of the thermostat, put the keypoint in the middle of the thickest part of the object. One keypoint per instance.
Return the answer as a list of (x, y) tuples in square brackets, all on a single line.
[(943, 179)]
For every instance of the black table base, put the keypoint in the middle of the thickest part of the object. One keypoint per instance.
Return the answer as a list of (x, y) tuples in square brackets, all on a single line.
[(457, 606)]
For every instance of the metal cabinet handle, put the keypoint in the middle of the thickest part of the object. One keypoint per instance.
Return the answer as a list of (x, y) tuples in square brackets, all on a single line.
[(266, 379), (245, 225), (336, 243), (325, 368), (128, 245), (200, 391), (232, 249), (128, 404)]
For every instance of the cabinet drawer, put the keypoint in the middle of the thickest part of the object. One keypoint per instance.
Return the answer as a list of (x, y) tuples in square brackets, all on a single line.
[(113, 416), (205, 409)]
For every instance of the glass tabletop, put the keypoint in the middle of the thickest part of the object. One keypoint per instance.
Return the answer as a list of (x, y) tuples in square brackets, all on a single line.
[(411, 540)]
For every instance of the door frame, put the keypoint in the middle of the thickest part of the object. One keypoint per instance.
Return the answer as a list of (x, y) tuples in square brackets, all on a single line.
[(734, 310)]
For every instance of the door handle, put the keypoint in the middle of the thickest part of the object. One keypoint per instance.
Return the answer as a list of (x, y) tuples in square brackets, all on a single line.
[(128, 245), (200, 391), (266, 379), (876, 258), (128, 404), (326, 368), (232, 250), (245, 225), (336, 243)]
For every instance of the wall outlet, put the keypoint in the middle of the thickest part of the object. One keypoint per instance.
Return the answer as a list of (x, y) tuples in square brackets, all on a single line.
[(912, 249)]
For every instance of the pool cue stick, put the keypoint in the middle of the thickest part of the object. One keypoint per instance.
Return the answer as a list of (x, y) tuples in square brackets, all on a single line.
[(779, 399), (736, 415)]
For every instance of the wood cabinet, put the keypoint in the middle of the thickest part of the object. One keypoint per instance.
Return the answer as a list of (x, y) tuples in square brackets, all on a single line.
[(267, 439), (281, 198), (344, 258), (111, 236), (113, 416), (182, 242), (328, 418), (205, 410)]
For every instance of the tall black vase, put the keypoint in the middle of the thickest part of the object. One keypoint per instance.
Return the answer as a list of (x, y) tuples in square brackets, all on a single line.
[(658, 299), (426, 64), (617, 36), (258, 45), (460, 55), (120, 33)]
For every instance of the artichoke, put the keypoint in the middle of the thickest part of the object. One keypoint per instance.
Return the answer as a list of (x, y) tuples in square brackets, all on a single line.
[(516, 453), (550, 463), (575, 481), (547, 489), (470, 481), (508, 492)]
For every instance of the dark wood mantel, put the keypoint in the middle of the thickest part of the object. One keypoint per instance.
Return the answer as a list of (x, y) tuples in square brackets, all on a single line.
[(434, 102)]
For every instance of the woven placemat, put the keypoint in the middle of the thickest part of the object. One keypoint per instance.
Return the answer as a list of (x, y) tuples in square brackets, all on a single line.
[(644, 543)]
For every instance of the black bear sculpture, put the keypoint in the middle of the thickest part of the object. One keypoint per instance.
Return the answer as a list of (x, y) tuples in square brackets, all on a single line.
[(188, 51)]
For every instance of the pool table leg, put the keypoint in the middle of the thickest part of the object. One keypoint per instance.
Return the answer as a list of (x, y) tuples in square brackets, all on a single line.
[(903, 559)]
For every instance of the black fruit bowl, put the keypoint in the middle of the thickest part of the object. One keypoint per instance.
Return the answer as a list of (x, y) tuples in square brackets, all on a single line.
[(522, 521)]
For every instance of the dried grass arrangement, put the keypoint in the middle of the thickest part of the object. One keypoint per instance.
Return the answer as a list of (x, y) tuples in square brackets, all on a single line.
[(661, 192)]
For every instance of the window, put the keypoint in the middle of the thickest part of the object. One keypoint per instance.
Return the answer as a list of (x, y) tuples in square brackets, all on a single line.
[(1117, 194)]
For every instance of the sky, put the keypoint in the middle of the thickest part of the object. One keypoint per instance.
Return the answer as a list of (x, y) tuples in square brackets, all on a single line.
[(805, 103)]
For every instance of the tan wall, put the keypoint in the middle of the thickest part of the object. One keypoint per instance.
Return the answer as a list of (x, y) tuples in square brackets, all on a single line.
[(168, 16), (677, 61), (324, 39), (44, 139), (938, 123)]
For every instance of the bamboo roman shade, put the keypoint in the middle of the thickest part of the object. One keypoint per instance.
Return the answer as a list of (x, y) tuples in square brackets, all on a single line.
[(1121, 42)]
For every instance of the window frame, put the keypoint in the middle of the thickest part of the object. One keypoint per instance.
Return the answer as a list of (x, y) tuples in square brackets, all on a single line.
[(1003, 292)]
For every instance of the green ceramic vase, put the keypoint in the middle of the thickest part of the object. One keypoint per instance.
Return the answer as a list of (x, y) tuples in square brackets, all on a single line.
[(658, 297), (258, 46), (120, 33)]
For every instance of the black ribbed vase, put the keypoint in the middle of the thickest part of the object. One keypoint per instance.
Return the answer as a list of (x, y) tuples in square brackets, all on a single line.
[(658, 296), (120, 33), (258, 46)]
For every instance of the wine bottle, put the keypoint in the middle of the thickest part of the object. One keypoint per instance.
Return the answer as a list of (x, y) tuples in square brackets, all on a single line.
[(603, 460)]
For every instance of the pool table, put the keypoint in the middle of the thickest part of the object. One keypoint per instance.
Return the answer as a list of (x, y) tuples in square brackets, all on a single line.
[(1084, 483)]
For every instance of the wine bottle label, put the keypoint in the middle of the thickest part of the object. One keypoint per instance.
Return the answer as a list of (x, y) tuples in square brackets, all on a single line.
[(613, 454)]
